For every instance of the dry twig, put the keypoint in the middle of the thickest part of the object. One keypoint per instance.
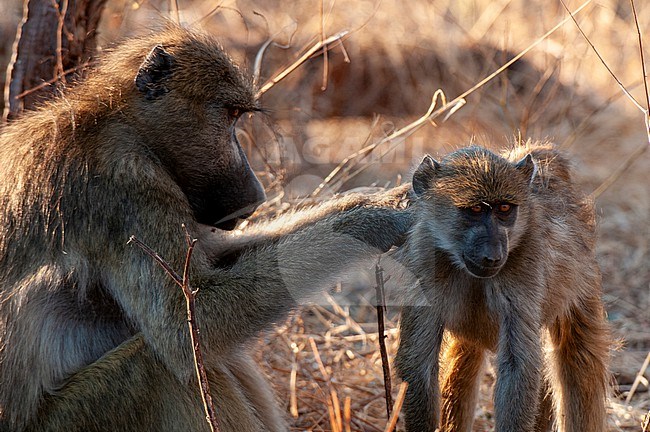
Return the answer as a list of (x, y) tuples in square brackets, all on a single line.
[(392, 422), (643, 69), (347, 414), (602, 60), (324, 44), (53, 80), (190, 297), (639, 377), (173, 9), (627, 163), (609, 181), (343, 170), (381, 306), (59, 72)]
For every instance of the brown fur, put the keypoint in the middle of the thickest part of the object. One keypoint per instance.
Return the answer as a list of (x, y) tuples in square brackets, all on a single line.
[(93, 335), (546, 279)]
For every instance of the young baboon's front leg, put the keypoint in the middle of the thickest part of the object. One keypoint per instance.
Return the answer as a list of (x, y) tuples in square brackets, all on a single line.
[(579, 368), (463, 363), (519, 359), (418, 364)]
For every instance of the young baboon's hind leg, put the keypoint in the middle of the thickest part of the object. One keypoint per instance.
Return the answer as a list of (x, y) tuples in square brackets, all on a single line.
[(417, 363), (579, 367), (463, 362)]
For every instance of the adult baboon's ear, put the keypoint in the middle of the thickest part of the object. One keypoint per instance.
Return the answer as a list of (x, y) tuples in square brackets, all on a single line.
[(424, 174), (153, 72), (528, 167)]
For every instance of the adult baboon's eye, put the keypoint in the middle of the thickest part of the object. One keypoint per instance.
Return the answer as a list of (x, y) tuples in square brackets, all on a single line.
[(234, 113), (476, 208)]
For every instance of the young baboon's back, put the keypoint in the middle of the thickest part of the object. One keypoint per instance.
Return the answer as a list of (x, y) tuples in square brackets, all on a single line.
[(502, 247)]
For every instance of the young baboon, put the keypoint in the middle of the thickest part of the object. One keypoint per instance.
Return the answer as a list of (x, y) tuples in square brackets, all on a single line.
[(503, 252), (93, 335)]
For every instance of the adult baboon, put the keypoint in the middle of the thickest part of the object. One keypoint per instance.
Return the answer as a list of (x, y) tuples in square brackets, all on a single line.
[(503, 250), (93, 336)]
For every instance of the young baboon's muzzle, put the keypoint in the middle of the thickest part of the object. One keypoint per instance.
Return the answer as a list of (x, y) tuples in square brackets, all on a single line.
[(486, 269)]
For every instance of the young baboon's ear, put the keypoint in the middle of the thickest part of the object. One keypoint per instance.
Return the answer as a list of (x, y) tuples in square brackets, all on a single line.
[(528, 167), (153, 72), (424, 174)]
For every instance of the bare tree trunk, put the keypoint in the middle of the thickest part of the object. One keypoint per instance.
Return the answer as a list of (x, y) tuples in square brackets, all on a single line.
[(55, 39)]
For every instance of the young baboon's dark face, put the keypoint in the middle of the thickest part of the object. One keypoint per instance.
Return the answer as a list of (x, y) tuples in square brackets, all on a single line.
[(485, 241), (472, 200), (193, 96)]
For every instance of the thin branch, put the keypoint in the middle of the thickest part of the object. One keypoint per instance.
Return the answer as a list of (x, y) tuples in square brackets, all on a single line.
[(643, 69), (303, 58), (199, 364), (59, 72), (431, 114), (190, 303), (602, 60), (381, 307), (173, 6), (627, 163), (336, 404), (319, 361), (257, 65), (212, 12), (638, 378), (161, 262), (345, 166), (332, 416), (216, 9), (323, 86), (522, 53), (52, 80), (186, 268), (293, 398)]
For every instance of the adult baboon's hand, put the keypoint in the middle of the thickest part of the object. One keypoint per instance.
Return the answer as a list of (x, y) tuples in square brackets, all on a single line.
[(382, 219)]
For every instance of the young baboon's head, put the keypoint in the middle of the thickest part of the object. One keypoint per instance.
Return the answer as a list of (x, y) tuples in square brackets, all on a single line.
[(475, 206), (184, 97)]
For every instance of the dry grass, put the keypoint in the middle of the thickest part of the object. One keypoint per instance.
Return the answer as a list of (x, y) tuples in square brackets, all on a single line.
[(400, 54)]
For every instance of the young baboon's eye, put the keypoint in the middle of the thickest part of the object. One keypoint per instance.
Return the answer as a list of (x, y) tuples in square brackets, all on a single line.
[(476, 208), (504, 210)]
